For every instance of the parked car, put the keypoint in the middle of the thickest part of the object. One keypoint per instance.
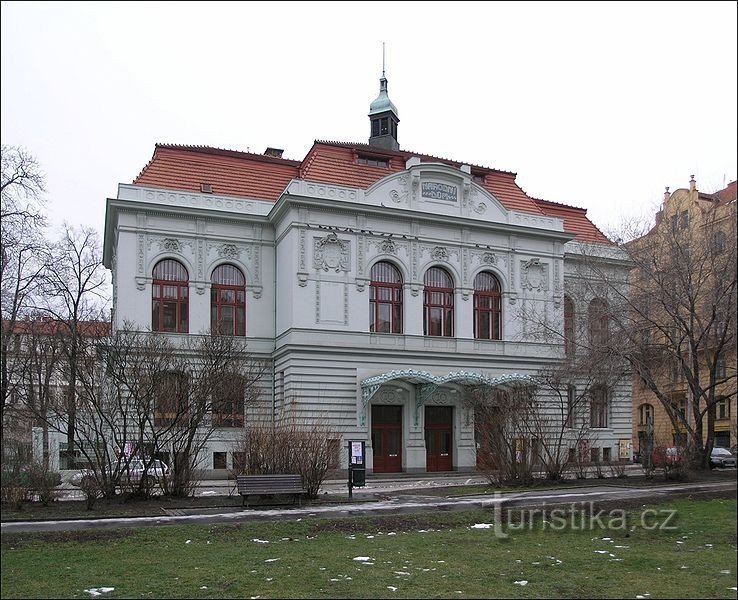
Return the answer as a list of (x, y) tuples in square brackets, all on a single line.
[(722, 457), (132, 474), (666, 457)]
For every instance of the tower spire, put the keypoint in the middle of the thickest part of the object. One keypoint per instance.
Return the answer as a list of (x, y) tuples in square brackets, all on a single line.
[(382, 60), (383, 116)]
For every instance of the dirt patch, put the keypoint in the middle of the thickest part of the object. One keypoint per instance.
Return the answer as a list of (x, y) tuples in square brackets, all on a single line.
[(388, 523), (12, 541)]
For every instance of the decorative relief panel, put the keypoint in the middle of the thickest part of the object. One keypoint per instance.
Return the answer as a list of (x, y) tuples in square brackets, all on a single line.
[(440, 252), (400, 196), (533, 275), (331, 254), (229, 251)]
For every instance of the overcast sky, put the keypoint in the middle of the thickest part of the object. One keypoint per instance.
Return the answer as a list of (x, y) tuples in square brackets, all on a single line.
[(596, 105)]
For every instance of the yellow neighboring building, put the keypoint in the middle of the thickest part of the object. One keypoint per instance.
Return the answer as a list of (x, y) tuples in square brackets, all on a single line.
[(709, 222)]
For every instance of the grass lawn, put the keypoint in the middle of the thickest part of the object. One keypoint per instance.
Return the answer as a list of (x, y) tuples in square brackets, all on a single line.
[(425, 555)]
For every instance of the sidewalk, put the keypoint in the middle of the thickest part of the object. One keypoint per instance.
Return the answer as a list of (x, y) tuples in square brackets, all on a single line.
[(393, 505)]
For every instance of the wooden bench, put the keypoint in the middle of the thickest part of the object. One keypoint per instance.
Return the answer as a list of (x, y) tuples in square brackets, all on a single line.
[(270, 485)]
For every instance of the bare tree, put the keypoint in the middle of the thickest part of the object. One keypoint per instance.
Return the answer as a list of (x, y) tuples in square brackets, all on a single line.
[(677, 326), (21, 250), (76, 292), (142, 395)]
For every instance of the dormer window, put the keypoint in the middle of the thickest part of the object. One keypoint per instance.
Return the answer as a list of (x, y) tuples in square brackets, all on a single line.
[(478, 178), (372, 161), (206, 188)]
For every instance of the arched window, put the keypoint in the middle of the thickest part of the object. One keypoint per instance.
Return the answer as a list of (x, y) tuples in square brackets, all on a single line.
[(645, 414), (598, 323), (487, 307), (568, 326), (169, 297), (438, 303), (228, 301), (385, 300)]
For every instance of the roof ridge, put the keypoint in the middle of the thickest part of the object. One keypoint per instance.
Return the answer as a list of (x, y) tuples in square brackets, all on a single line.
[(584, 210), (226, 152), (409, 153)]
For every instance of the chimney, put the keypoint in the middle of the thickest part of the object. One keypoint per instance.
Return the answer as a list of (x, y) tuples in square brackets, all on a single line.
[(692, 184), (275, 152), (666, 194)]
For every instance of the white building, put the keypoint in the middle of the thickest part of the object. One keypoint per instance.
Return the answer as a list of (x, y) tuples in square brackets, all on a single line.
[(379, 281)]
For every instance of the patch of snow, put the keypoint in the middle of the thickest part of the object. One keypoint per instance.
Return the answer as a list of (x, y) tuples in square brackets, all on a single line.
[(401, 573), (680, 542), (708, 545), (362, 558), (535, 563), (258, 541), (601, 552), (622, 546), (735, 589), (522, 582), (272, 559), (203, 587), (208, 493), (391, 588), (684, 567), (391, 533), (606, 539), (725, 572), (99, 591), (188, 542), (482, 526), (367, 563)]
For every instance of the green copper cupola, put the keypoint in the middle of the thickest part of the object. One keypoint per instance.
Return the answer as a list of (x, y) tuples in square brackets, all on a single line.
[(384, 120)]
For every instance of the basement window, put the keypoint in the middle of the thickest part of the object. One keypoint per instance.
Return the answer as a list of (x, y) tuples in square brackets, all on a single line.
[(206, 188)]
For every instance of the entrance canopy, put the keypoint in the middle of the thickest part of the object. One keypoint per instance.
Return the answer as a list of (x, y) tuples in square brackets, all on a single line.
[(426, 384)]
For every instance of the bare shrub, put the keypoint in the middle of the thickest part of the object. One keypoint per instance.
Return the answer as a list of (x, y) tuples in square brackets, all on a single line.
[(44, 483), (291, 447), (617, 469), (503, 452), (91, 490)]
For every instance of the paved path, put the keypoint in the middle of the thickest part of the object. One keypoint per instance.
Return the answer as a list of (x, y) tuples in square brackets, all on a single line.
[(404, 504)]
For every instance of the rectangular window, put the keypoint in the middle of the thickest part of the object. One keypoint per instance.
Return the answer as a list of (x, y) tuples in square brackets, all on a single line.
[(598, 408), (723, 408), (674, 223), (219, 460), (171, 395), (606, 455), (228, 402), (684, 220), (372, 162), (595, 455), (720, 367)]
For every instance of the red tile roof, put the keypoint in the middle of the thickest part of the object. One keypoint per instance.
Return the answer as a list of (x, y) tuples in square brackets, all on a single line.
[(49, 326), (230, 173), (248, 175), (575, 221), (728, 194), (335, 162)]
